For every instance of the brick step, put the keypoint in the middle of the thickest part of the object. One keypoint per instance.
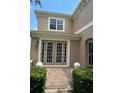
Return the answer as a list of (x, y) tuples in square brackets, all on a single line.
[(59, 78)]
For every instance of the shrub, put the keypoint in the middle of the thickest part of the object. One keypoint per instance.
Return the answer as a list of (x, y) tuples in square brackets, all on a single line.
[(37, 80), (59, 91), (83, 80)]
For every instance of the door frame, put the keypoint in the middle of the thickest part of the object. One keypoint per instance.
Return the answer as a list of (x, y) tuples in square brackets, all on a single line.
[(68, 52)]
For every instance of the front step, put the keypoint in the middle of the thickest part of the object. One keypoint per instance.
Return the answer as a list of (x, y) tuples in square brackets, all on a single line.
[(57, 91), (58, 79)]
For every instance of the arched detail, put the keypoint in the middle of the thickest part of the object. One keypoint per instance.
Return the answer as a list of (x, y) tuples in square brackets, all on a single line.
[(89, 39)]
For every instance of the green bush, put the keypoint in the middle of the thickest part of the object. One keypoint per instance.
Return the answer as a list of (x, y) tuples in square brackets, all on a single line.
[(59, 91), (83, 80), (37, 80)]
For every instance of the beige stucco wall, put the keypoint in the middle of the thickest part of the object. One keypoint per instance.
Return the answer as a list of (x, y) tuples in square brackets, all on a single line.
[(85, 35), (71, 25), (84, 17), (43, 23), (34, 50), (74, 51)]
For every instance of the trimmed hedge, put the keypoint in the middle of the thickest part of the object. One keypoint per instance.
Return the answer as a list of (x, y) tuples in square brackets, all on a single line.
[(37, 80), (82, 80)]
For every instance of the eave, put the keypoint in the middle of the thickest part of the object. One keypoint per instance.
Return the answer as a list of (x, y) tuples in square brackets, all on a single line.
[(46, 13), (55, 35)]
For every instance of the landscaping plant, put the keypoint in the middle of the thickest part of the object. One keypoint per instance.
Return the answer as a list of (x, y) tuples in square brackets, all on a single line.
[(37, 79), (83, 80)]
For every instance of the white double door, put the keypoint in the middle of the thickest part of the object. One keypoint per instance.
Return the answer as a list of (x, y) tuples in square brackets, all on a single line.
[(54, 52)]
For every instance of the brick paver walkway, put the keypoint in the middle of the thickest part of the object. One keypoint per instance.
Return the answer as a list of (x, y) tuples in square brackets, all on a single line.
[(59, 78)]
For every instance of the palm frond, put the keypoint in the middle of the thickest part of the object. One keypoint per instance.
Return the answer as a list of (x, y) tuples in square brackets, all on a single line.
[(37, 2)]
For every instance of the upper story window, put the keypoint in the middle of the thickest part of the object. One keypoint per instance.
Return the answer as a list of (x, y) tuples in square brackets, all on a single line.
[(56, 24)]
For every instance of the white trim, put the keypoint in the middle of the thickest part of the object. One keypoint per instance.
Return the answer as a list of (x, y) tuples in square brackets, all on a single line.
[(39, 50), (56, 24), (68, 53), (54, 39), (84, 27)]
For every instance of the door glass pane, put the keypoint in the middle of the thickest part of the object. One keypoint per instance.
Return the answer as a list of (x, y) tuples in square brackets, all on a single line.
[(59, 52), (49, 51), (65, 45)]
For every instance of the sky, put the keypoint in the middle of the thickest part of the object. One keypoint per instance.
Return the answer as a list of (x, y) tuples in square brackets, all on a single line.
[(59, 6)]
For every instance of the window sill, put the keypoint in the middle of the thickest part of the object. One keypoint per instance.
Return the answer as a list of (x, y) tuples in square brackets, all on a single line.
[(56, 30)]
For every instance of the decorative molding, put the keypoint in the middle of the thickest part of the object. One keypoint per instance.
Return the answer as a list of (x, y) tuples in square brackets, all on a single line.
[(84, 27)]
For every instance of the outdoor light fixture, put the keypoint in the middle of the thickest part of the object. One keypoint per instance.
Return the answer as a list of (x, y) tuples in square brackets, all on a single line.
[(39, 64), (76, 65)]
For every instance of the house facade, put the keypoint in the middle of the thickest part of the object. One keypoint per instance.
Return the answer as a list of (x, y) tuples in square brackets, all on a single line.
[(61, 40)]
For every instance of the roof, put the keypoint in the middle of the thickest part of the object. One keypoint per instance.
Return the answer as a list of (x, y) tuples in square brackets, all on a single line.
[(41, 13)]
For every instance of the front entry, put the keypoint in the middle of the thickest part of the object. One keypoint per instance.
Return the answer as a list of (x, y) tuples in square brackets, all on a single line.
[(54, 52)]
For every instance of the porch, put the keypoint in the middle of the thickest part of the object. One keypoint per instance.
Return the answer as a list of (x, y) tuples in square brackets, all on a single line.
[(56, 49)]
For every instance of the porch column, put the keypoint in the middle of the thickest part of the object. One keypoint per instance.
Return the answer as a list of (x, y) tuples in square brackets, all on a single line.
[(39, 63)]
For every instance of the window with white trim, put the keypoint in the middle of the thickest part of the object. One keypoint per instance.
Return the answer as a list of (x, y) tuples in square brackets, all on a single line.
[(56, 24), (90, 52)]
